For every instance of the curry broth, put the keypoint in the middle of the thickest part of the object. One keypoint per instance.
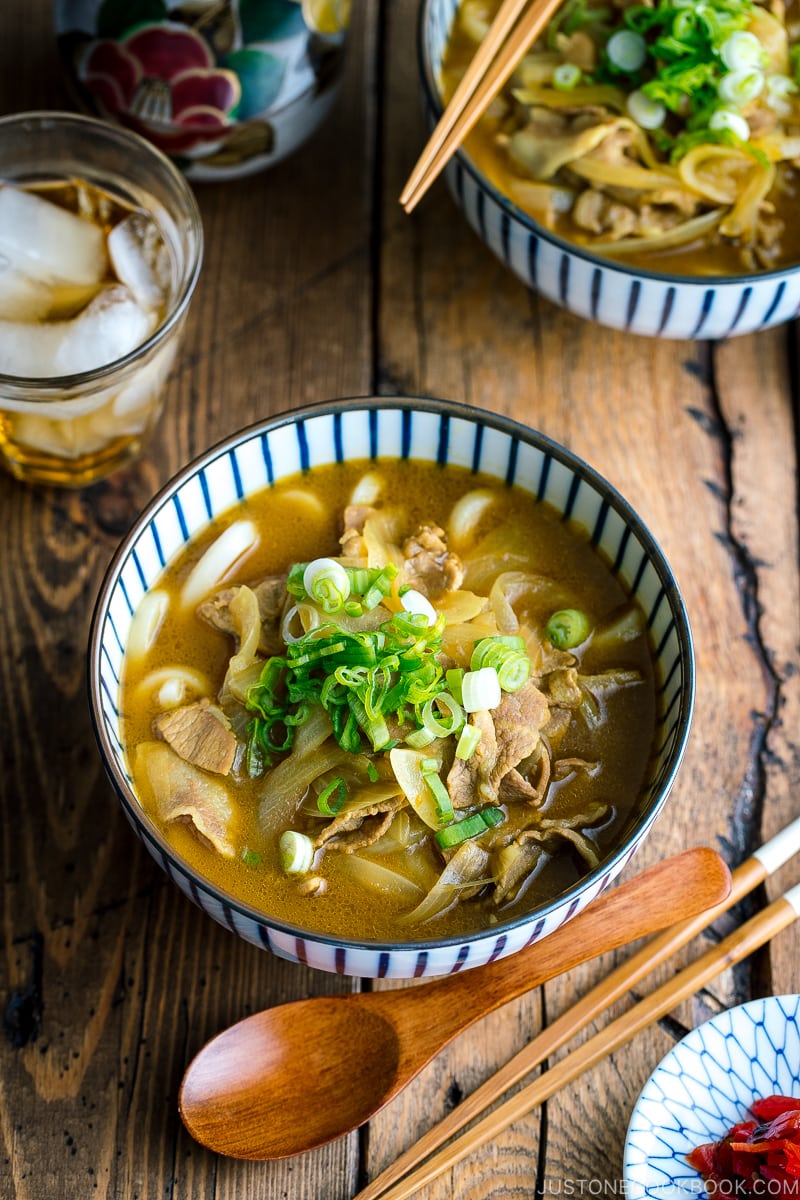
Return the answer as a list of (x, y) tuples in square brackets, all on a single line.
[(300, 518)]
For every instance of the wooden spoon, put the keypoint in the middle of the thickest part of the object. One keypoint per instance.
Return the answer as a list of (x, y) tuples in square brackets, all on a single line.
[(299, 1075)]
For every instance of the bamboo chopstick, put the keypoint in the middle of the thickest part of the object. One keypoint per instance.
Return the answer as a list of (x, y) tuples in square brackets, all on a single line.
[(738, 945), (494, 61), (762, 863)]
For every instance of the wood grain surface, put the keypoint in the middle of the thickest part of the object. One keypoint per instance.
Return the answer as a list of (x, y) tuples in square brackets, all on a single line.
[(316, 285)]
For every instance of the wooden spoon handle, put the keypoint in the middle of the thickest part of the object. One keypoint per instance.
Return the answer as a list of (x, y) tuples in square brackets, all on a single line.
[(670, 891)]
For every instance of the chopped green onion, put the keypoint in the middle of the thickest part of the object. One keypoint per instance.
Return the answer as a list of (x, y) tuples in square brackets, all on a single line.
[(567, 628), (566, 76), (626, 50), (414, 602), (468, 742), (360, 677), (449, 722), (740, 87), (326, 581), (381, 586), (250, 858), (742, 49), (485, 652), (508, 656), (373, 772), (454, 677), (296, 852), (441, 796), (647, 113), (480, 689), (726, 118), (418, 739), (471, 826), (332, 797)]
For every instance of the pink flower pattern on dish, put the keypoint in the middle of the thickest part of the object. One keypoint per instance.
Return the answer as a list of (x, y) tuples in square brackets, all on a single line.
[(161, 80)]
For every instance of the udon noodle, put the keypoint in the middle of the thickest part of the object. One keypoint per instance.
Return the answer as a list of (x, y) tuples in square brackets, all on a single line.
[(665, 134)]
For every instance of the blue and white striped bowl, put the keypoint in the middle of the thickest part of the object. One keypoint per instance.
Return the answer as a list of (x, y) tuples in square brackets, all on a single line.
[(390, 428), (614, 294), (703, 1087)]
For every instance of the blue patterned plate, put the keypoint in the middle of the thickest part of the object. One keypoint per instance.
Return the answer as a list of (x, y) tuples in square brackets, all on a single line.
[(705, 1085)]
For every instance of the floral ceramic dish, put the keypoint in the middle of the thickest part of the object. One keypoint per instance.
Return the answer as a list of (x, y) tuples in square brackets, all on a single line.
[(706, 1085), (224, 88), (436, 432)]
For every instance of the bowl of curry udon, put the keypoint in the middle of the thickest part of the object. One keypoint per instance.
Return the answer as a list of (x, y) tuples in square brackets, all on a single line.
[(391, 687), (640, 166)]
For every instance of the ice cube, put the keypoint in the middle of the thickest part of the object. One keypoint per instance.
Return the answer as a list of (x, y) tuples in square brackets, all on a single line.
[(28, 349), (107, 329), (140, 259), (21, 298), (48, 243)]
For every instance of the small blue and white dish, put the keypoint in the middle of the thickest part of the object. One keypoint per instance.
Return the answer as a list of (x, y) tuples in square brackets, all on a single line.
[(618, 295), (703, 1087), (434, 431)]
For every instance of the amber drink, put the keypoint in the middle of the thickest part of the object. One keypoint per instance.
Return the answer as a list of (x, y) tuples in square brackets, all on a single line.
[(100, 249)]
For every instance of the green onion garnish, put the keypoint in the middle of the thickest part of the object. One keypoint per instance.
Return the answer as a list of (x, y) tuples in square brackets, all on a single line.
[(441, 796), (468, 742), (362, 678), (296, 852), (454, 677), (566, 76), (326, 581), (442, 723), (567, 628), (332, 797), (471, 826), (508, 656), (250, 858), (418, 739), (682, 59), (481, 689)]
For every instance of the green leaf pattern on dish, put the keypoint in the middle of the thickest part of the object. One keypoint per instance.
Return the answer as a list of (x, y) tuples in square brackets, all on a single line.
[(260, 74)]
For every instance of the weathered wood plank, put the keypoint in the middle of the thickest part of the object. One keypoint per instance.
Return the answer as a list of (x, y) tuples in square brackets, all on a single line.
[(653, 418), (109, 979)]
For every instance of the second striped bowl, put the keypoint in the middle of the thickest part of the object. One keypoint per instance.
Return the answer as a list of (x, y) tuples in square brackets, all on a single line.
[(615, 294)]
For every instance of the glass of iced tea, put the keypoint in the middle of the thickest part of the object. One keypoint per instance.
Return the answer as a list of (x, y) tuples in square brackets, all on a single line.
[(100, 249)]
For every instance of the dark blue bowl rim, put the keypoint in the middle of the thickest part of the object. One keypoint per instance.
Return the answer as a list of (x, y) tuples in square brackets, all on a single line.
[(606, 869), (698, 281)]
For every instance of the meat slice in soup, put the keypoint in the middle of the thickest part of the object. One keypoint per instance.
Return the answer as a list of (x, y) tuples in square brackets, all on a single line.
[(423, 714)]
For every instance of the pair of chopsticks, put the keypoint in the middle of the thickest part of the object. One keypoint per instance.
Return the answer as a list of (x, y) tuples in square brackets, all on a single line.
[(395, 1183), (497, 56)]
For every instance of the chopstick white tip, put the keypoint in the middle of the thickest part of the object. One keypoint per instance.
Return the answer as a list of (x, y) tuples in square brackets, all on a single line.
[(779, 849)]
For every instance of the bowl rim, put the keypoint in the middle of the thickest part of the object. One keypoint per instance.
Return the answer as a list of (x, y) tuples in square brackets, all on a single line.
[(609, 865), (518, 214), (136, 145), (779, 1003)]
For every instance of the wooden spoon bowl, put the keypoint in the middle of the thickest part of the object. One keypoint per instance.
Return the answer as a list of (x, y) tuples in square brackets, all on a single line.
[(296, 1076)]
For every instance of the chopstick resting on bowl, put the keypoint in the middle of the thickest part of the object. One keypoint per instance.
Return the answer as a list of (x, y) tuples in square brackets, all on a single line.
[(496, 58), (748, 875)]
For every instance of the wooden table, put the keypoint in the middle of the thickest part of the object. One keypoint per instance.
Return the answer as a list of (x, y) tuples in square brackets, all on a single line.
[(316, 285)]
